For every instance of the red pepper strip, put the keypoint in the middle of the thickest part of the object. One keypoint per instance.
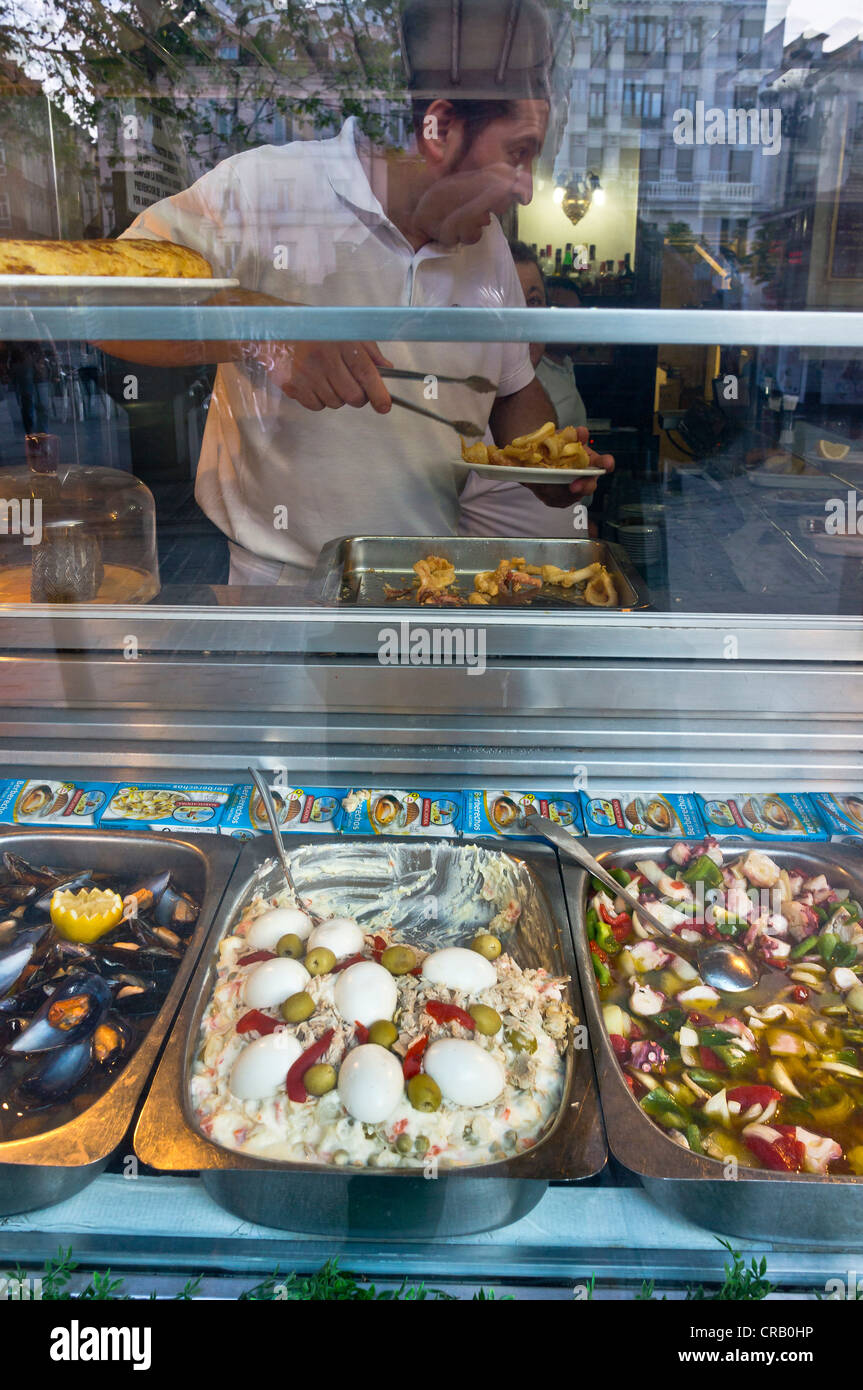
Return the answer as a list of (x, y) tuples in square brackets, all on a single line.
[(710, 1061), (754, 1095), (449, 1013), (343, 964), (294, 1086), (599, 953), (620, 1045), (800, 994), (256, 1022), (412, 1064), (379, 947), (361, 1031), (783, 1155), (255, 957), (417, 971)]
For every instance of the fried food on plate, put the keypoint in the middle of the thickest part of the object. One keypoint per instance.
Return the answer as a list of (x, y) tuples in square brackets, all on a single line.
[(130, 257), (601, 591), (545, 448), (510, 578)]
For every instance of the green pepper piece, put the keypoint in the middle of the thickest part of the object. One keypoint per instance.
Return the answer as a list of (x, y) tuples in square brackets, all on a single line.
[(804, 947), (622, 877), (670, 1019), (663, 1107), (853, 908), (597, 886), (845, 954), (601, 971), (730, 927), (711, 1037), (823, 913), (703, 871), (693, 1137), (827, 945), (605, 938), (592, 921), (707, 1080), (733, 1057)]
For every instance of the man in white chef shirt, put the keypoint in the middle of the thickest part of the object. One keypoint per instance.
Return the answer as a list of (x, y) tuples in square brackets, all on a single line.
[(337, 223)]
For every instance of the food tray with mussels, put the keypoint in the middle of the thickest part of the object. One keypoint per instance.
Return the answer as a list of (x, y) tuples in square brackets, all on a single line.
[(419, 1009), (372, 571), (99, 932), (741, 1112)]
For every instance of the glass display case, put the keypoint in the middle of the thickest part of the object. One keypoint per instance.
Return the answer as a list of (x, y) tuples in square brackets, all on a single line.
[(296, 497)]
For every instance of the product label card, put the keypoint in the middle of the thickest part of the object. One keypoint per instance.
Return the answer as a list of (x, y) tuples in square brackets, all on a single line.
[(643, 813), (402, 813), (167, 806), (38, 802), (762, 815), (299, 810), (511, 812), (841, 812)]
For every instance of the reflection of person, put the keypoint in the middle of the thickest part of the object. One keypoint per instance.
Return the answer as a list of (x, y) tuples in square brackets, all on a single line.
[(337, 223), (490, 508), (24, 366)]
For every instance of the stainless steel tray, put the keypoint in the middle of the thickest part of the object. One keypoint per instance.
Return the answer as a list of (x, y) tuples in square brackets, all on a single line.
[(37, 1171), (803, 1208), (318, 1198), (354, 569)]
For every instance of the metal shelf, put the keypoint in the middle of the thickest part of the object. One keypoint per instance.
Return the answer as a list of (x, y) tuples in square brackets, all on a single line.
[(85, 322)]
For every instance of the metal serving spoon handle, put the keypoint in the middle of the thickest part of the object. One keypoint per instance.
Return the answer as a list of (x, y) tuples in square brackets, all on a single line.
[(722, 964), (277, 834)]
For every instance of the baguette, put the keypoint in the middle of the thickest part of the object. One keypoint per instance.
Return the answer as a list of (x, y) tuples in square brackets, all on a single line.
[(127, 256)]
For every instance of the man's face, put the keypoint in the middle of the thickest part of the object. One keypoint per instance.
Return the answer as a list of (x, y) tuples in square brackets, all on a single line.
[(514, 142)]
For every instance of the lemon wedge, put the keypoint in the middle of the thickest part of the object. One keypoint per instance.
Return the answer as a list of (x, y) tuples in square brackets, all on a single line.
[(829, 449), (87, 914)]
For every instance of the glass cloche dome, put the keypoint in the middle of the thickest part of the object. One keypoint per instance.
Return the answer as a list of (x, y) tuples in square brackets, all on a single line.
[(73, 534)]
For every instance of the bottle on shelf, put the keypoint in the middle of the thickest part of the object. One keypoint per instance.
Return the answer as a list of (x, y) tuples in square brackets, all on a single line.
[(567, 259), (558, 261)]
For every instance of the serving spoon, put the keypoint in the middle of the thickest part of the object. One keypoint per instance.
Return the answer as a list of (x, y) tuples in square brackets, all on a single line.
[(273, 820), (722, 964)]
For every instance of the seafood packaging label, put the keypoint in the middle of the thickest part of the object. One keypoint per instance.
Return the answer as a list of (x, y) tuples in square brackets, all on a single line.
[(773, 815), (167, 806), (402, 813), (643, 813), (315, 810), (841, 812), (37, 802), (495, 813)]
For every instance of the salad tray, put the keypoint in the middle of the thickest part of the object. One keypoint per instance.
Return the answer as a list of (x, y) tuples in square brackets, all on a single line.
[(49, 1167), (823, 1211), (354, 569), (420, 884)]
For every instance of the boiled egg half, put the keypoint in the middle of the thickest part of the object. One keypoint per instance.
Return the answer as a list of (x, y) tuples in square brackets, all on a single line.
[(274, 981), (370, 1083), (466, 1074), (341, 935), (365, 992), (266, 931), (458, 968), (263, 1066)]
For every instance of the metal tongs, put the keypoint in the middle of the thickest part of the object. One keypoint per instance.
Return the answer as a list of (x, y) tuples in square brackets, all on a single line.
[(480, 384)]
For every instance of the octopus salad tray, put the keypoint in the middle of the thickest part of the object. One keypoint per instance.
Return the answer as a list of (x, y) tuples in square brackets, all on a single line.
[(742, 1112), (381, 572), (420, 1008)]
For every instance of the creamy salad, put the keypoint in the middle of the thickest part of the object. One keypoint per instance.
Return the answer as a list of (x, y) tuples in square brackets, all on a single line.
[(333, 1044)]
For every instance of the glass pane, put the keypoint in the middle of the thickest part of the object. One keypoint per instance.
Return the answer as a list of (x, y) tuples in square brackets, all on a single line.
[(683, 161)]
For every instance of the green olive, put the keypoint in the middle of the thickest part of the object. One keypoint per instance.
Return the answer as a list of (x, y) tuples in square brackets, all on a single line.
[(424, 1093), (510, 1138), (383, 1033), (320, 1079), (399, 960), (421, 1144), (487, 945), (404, 1143), (520, 1041), (320, 961), (289, 945), (488, 1021), (298, 1008)]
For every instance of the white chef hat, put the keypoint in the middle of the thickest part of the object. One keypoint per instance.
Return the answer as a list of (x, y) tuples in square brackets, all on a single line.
[(479, 50)]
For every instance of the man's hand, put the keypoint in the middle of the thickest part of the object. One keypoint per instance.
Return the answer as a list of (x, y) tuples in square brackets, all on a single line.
[(455, 210), (568, 494), (326, 376)]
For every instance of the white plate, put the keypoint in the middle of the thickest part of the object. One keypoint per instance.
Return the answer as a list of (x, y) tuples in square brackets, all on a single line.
[(804, 481), (26, 290), (503, 473)]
